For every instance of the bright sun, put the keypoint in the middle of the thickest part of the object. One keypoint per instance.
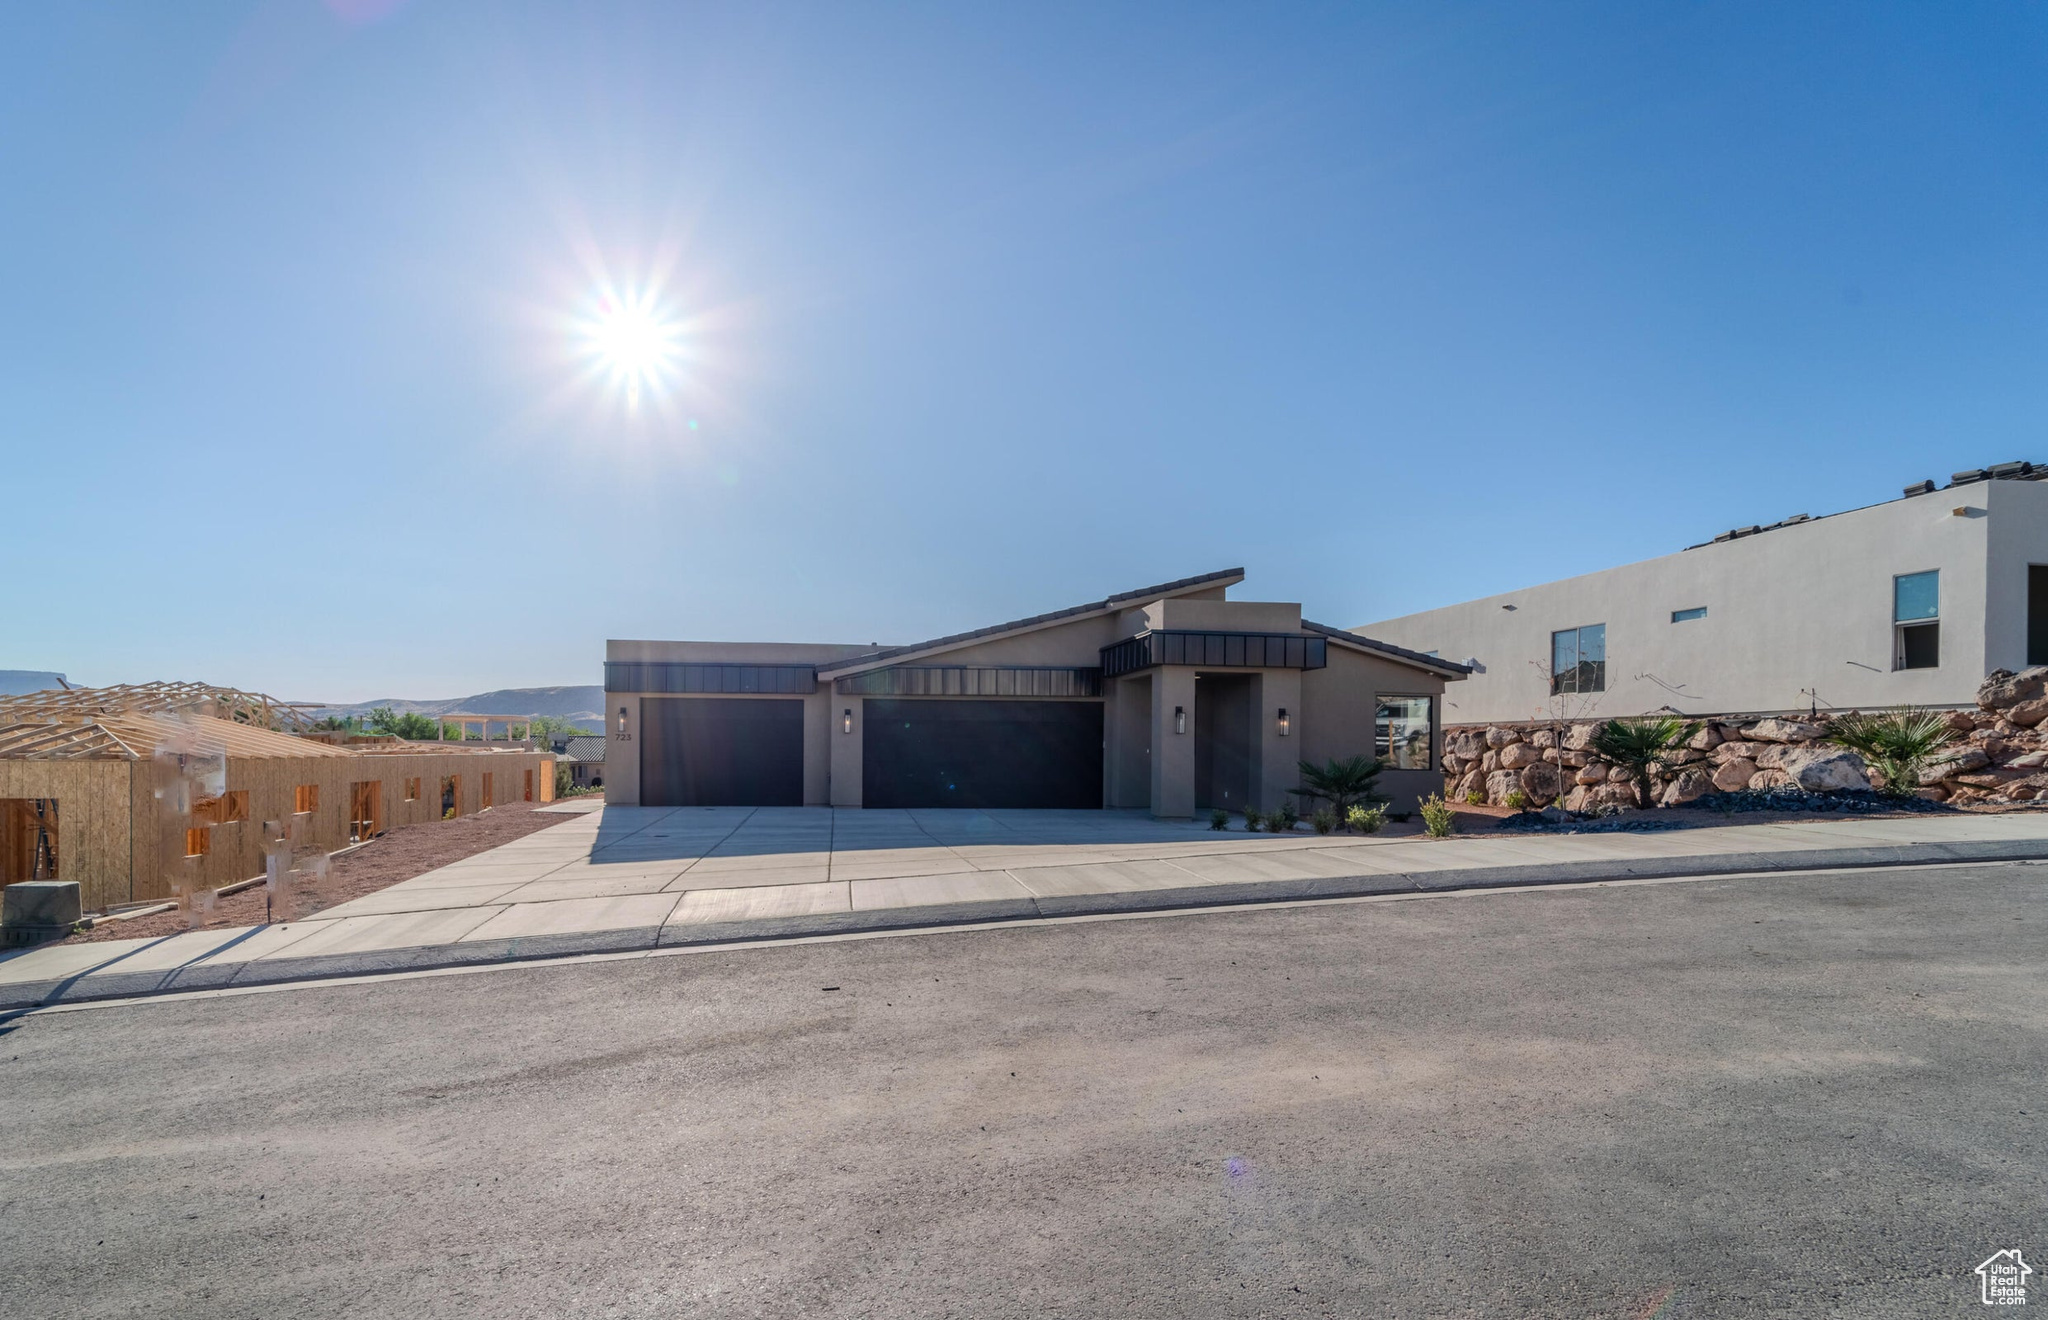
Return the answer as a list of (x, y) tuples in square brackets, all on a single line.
[(631, 341)]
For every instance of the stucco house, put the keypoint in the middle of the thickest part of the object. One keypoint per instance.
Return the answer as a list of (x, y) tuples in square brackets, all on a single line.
[(1908, 602), (1171, 698)]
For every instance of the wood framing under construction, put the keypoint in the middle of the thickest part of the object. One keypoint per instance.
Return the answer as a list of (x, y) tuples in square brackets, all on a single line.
[(157, 789)]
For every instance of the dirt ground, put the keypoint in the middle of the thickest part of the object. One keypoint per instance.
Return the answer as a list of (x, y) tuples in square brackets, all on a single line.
[(398, 855)]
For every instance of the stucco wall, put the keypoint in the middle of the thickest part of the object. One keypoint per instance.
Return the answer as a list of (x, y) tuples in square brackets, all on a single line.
[(1339, 705), (1795, 616)]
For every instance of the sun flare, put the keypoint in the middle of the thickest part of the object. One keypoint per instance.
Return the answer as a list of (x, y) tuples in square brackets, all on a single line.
[(633, 342)]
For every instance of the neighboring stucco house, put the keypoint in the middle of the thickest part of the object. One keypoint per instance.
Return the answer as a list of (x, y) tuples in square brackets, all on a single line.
[(1909, 602), (583, 754), (1172, 698)]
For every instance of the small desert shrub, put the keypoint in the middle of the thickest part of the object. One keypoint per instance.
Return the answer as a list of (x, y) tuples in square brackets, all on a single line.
[(1437, 816), (1219, 819), (1324, 820), (1516, 799), (1898, 744), (1252, 821), (1367, 820), (1476, 798), (1284, 820)]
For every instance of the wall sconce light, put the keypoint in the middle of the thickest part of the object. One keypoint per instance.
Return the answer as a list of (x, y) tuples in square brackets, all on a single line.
[(622, 721), (1180, 719), (846, 721), (1283, 721)]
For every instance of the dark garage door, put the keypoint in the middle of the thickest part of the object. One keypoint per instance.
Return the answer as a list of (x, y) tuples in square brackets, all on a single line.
[(982, 754), (721, 752)]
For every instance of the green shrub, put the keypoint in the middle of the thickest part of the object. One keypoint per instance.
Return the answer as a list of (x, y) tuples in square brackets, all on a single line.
[(1324, 820), (1284, 820), (1367, 820), (1438, 817), (1899, 744), (1476, 798), (1252, 820), (1517, 799), (1219, 819), (1637, 748)]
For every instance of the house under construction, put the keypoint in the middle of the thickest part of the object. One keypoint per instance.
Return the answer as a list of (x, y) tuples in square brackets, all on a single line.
[(148, 791)]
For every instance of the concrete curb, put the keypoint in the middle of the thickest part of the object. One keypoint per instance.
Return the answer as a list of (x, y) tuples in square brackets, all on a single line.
[(206, 973)]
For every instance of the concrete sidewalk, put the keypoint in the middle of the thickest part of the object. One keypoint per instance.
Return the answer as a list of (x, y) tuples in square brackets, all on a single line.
[(639, 878)]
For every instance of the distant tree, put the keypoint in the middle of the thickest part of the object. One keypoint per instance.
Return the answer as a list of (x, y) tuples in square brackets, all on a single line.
[(336, 723), (546, 728), (411, 725)]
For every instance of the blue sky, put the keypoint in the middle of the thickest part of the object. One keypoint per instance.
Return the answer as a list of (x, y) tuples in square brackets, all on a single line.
[(980, 311)]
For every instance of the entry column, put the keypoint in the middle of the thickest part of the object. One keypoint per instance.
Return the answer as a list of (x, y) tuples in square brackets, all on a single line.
[(1173, 742)]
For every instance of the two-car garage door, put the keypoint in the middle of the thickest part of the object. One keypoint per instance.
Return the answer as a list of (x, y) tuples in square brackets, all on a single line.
[(965, 753), (749, 752)]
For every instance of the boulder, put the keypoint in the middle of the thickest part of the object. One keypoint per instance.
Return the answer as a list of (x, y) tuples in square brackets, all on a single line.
[(1963, 762), (2028, 761), (1496, 736), (1735, 751), (1615, 794), (1473, 782), (1579, 799), (1516, 755), (2027, 714), (1593, 773), (1573, 759), (1501, 783), (1769, 779), (2002, 687), (1688, 756), (1543, 738), (1825, 769), (1933, 793), (1540, 782), (1781, 731), (1707, 738), (1579, 737), (1961, 721), (1489, 762), (1734, 776), (1989, 778), (1690, 785), (1467, 744)]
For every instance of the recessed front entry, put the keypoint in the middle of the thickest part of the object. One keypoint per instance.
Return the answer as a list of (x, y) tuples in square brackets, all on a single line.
[(940, 753), (721, 752)]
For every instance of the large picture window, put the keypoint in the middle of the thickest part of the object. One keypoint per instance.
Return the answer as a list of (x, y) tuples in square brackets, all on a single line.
[(1401, 733), (1578, 659), (1916, 620)]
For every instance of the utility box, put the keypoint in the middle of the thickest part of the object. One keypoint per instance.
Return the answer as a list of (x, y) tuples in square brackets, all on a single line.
[(37, 910)]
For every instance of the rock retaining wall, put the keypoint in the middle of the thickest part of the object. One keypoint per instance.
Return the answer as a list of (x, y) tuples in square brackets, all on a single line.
[(2001, 753)]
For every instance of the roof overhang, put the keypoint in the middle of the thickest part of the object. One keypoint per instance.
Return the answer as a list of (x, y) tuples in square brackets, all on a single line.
[(1388, 651), (940, 645)]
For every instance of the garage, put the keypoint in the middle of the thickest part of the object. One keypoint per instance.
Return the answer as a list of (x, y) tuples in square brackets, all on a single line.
[(721, 752), (986, 754)]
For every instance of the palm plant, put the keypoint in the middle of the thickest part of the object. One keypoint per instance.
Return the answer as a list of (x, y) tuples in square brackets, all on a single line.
[(1899, 744), (1343, 784), (1636, 747)]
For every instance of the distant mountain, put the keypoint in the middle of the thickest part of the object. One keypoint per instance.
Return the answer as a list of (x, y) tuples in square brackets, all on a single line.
[(21, 682), (583, 703)]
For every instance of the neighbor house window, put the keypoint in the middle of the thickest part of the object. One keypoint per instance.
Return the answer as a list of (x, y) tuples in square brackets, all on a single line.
[(412, 790), (1578, 659), (305, 798), (1916, 620), (1687, 616), (1401, 733)]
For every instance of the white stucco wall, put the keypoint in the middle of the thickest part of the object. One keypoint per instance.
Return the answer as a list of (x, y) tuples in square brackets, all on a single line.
[(1796, 615)]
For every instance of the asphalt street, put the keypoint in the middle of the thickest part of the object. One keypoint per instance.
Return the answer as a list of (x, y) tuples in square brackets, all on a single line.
[(1806, 1095)]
